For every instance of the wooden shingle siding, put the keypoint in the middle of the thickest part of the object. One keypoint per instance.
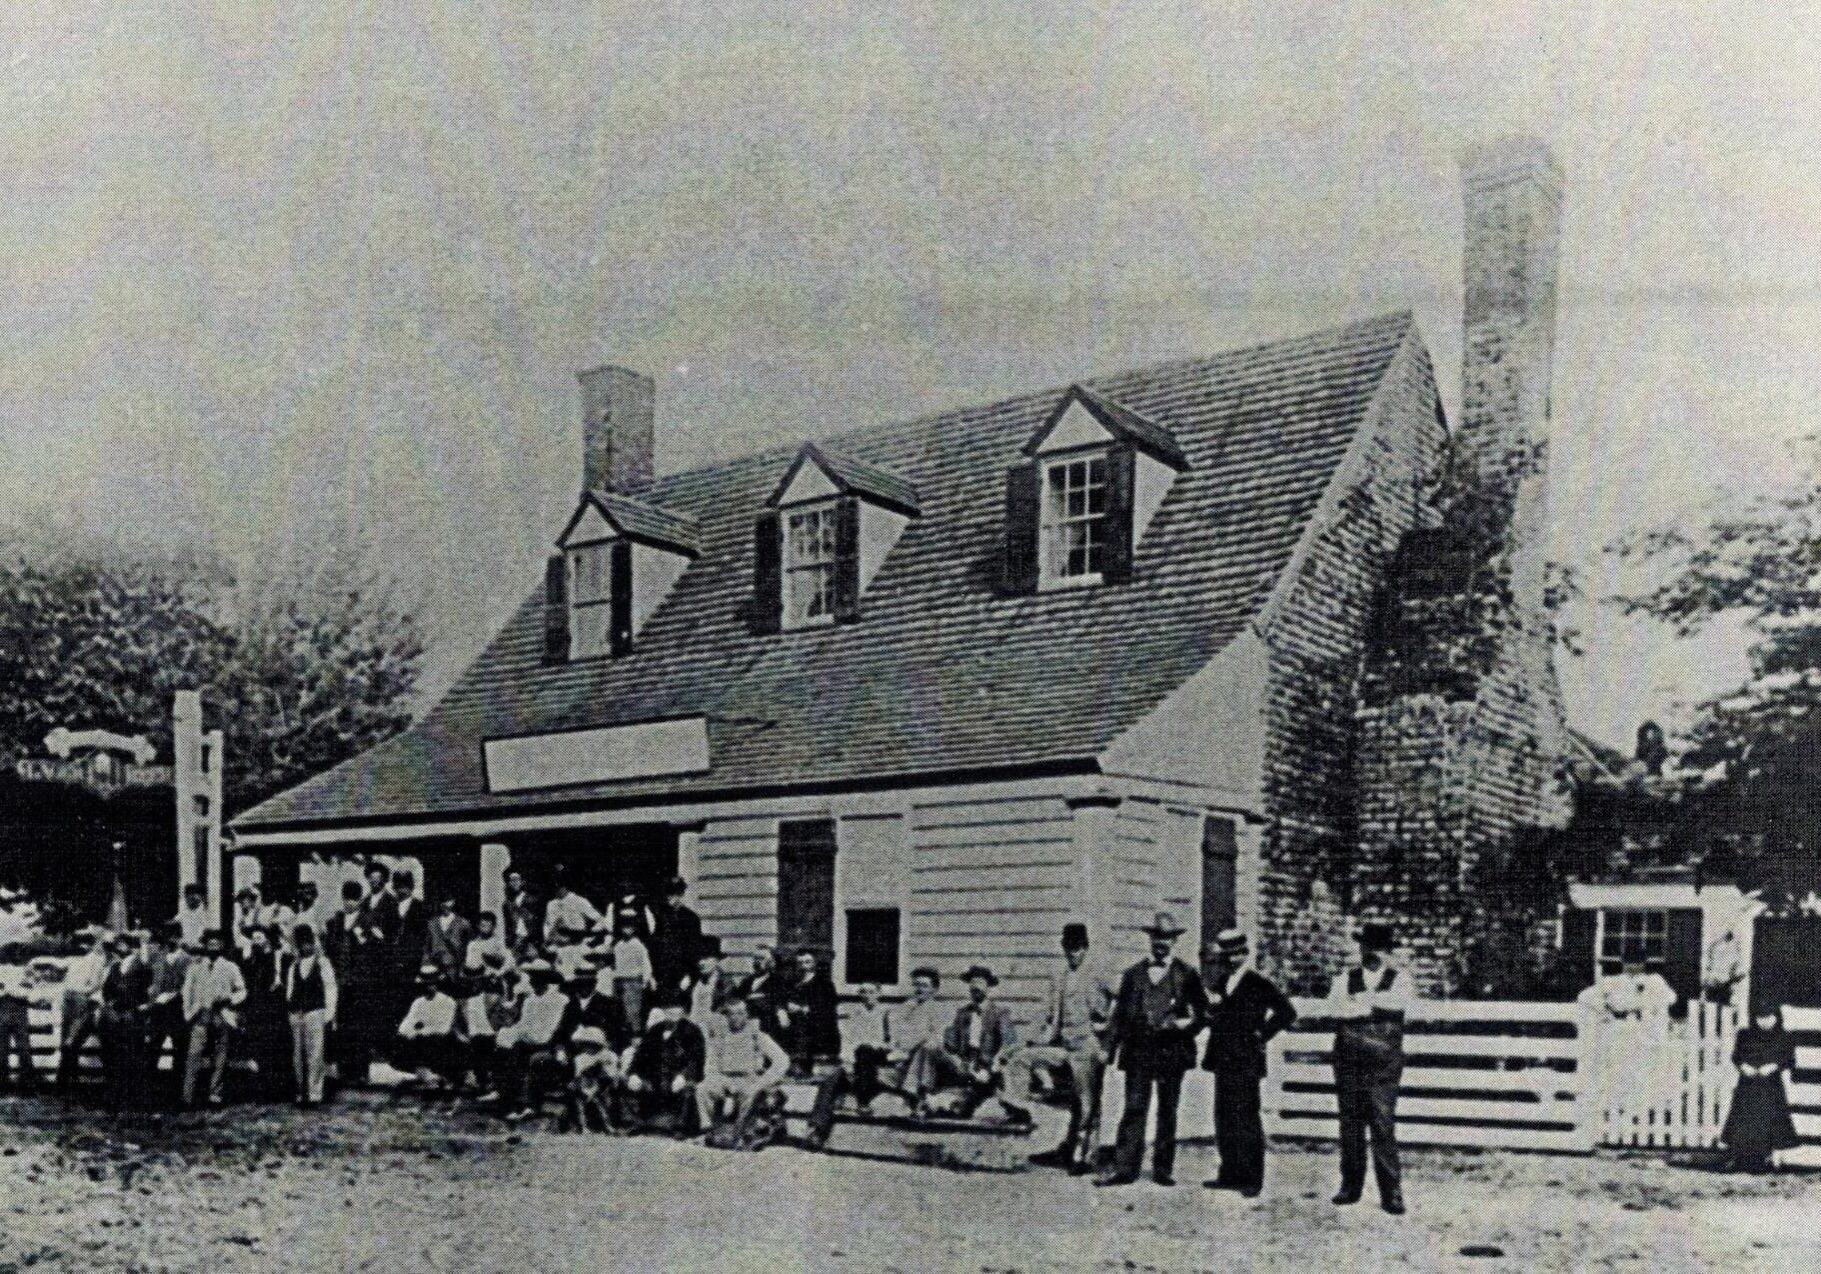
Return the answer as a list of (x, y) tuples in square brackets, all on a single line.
[(993, 878), (736, 892)]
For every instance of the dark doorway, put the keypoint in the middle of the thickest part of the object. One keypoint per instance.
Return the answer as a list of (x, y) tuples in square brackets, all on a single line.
[(603, 864), (806, 885), (1219, 862), (1783, 964)]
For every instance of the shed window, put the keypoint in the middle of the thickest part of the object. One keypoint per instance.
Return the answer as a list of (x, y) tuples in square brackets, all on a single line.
[(590, 595), (1074, 526), (872, 946), (809, 565)]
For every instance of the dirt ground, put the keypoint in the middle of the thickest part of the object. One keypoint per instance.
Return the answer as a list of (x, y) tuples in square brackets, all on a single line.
[(385, 1184)]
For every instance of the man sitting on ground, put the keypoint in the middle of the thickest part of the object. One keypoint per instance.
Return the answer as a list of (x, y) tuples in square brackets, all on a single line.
[(593, 1073), (665, 1069), (974, 1051), (428, 1044), (742, 1064)]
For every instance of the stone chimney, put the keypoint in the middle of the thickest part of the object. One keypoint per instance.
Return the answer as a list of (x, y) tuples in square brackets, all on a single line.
[(617, 415), (1512, 200)]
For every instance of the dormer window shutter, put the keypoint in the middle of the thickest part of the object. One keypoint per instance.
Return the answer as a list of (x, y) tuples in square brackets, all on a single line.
[(767, 573), (619, 598), (1116, 562), (556, 610), (847, 560), (1021, 528)]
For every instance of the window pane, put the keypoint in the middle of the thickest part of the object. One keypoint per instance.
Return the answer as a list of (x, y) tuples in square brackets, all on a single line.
[(872, 946), (1074, 509), (588, 629)]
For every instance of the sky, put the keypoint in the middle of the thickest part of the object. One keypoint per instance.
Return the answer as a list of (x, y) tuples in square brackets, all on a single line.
[(312, 282)]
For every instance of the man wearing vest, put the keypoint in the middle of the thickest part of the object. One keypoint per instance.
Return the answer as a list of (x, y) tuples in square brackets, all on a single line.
[(164, 1024), (309, 990), (1369, 1001), (1246, 1011), (1160, 1010)]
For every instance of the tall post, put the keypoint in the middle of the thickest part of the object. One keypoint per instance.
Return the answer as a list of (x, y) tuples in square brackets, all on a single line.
[(196, 772)]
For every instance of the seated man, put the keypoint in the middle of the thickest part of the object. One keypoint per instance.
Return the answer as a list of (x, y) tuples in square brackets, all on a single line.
[(427, 1042), (665, 1068), (1071, 1043), (974, 1052), (866, 1039), (530, 1054), (742, 1064), (593, 1074), (808, 1021)]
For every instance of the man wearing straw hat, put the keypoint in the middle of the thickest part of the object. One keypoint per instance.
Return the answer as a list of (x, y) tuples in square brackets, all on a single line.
[(1246, 1011), (1160, 1010)]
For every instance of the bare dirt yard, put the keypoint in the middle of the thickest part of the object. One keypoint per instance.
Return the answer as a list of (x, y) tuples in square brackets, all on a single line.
[(387, 1185)]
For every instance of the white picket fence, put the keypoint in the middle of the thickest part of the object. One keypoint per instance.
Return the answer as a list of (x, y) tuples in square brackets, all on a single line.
[(1538, 1076)]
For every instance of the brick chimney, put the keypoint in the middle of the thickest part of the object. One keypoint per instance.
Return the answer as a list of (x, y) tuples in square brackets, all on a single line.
[(1512, 200), (617, 413)]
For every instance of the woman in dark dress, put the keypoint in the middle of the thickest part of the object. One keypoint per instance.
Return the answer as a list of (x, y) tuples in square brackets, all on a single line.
[(1758, 1122), (268, 1033)]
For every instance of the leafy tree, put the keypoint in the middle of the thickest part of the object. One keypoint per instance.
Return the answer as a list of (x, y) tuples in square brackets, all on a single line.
[(1757, 558), (301, 672)]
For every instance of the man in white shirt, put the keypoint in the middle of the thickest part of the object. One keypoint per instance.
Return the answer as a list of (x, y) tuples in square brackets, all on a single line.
[(427, 1044), (309, 990), (79, 1022), (192, 918), (568, 915), (1370, 1001), (742, 1063), (530, 1052), (213, 991), (248, 916)]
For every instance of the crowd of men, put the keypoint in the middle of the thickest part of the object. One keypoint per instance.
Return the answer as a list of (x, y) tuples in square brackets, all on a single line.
[(631, 1020)]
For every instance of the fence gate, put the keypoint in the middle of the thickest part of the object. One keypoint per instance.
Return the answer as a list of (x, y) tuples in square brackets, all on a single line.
[(1663, 1085)]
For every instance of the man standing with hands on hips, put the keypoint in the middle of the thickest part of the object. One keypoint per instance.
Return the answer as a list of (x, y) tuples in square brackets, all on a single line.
[(1369, 1000), (1160, 1010)]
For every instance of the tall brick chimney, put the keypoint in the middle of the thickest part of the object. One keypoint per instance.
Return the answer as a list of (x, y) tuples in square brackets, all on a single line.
[(1512, 200), (617, 417)]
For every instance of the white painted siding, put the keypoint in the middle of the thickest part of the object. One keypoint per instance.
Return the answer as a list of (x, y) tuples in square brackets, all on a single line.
[(737, 890)]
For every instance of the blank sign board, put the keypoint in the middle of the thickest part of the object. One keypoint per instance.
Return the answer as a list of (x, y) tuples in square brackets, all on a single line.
[(599, 755)]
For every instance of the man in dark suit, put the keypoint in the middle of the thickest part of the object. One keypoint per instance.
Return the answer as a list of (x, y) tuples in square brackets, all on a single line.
[(164, 1024), (667, 1065), (808, 1016), (975, 1049), (1160, 1010), (126, 988), (675, 938), (446, 938), (1246, 1011)]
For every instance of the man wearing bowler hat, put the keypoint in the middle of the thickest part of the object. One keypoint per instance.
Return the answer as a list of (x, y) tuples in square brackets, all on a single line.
[(1071, 1042), (1370, 1000), (1160, 1010), (975, 1049), (1246, 1011)]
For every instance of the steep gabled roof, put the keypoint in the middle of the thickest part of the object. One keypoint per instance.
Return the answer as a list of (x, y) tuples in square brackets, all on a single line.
[(637, 520), (942, 673), (851, 477)]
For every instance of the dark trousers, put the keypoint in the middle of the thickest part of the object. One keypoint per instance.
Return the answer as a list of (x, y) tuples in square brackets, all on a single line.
[(1128, 1154), (122, 1057), (441, 1055), (16, 1041), (860, 1077), (1369, 1106), (1239, 1130), (165, 1026)]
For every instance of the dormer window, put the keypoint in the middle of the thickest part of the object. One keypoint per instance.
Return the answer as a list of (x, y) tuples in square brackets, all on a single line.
[(1074, 527), (620, 557), (809, 565), (590, 599), (824, 534), (1075, 510)]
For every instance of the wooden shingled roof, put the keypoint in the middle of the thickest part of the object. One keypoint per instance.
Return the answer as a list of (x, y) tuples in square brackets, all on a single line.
[(942, 673)]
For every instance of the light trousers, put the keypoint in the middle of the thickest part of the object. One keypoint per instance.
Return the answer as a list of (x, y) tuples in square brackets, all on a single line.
[(309, 1054)]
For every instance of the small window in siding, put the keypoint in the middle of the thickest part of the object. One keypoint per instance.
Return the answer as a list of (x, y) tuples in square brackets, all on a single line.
[(872, 946)]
